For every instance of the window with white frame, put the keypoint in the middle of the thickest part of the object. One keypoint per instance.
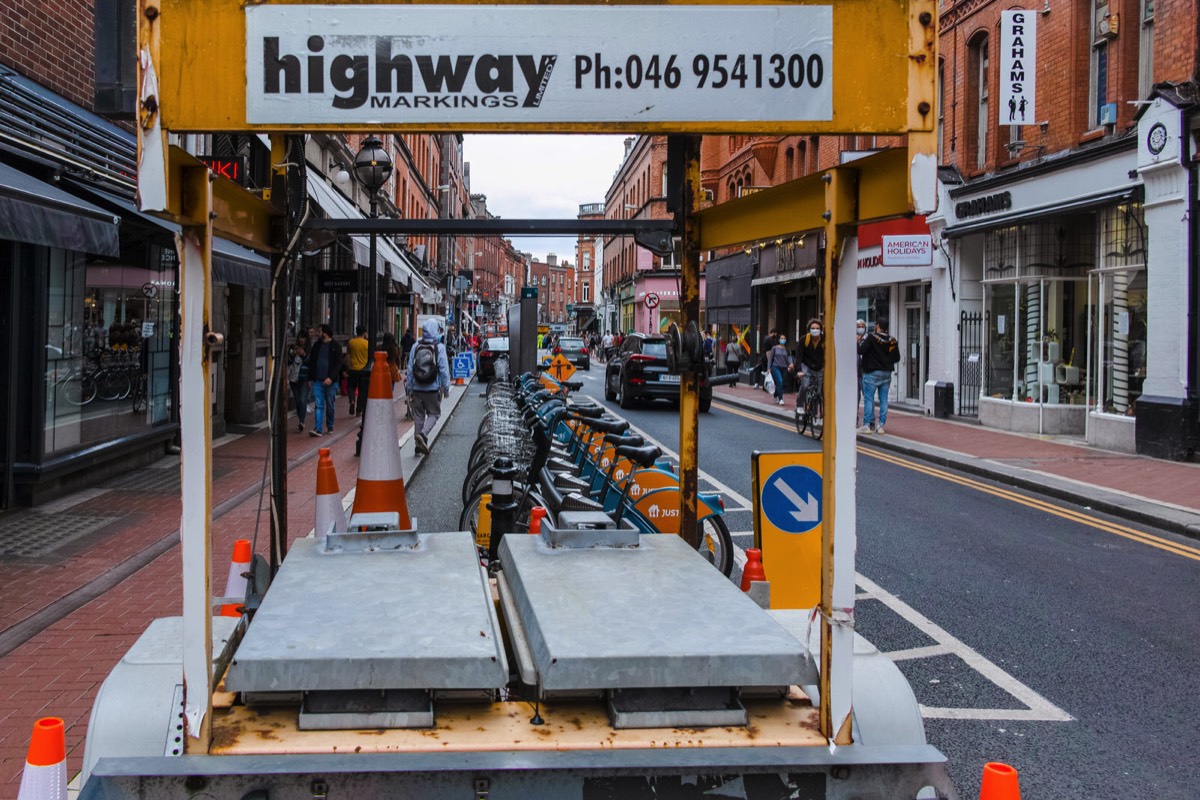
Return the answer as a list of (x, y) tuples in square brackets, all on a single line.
[(586, 292), (980, 54), (1146, 50)]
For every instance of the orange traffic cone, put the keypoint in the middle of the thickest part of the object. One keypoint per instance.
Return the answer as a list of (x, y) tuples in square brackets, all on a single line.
[(999, 782), (236, 583), (45, 776), (330, 516), (536, 515), (380, 485), (753, 571)]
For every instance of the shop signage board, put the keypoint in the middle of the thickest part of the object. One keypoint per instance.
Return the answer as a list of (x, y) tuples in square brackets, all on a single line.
[(788, 515), (907, 251), (337, 281)]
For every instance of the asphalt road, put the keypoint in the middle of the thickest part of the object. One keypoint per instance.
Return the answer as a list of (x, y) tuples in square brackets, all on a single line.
[(1043, 636)]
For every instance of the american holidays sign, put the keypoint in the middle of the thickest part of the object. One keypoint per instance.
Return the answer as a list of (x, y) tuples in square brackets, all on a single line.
[(312, 64)]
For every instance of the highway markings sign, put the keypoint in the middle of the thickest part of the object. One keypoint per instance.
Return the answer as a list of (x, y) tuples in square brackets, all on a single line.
[(561, 368), (788, 515)]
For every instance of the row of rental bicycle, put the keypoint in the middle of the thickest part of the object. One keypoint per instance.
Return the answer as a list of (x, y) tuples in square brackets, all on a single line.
[(541, 457)]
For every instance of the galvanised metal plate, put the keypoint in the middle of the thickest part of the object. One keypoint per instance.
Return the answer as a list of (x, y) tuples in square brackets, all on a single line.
[(418, 618), (652, 616)]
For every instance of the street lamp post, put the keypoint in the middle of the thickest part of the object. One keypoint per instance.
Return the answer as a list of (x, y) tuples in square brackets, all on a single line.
[(372, 168)]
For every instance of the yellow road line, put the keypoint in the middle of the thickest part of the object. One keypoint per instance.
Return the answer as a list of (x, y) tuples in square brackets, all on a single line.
[(755, 417), (1116, 529)]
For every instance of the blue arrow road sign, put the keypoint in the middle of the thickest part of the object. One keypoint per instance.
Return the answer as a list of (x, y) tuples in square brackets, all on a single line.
[(791, 499)]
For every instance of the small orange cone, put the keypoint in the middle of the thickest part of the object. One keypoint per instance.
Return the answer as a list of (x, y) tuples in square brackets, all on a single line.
[(236, 583), (999, 782), (330, 515), (45, 775), (536, 515), (753, 571), (380, 485)]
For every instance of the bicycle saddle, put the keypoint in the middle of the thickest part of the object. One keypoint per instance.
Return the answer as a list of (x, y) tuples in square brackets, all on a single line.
[(629, 440), (642, 456), (573, 386), (589, 412), (608, 425)]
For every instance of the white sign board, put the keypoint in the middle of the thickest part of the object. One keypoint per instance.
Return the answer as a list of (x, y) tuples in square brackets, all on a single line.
[(1018, 67), (309, 64), (907, 251)]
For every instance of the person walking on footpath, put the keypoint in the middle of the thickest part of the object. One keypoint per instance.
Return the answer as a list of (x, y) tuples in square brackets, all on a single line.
[(764, 363), (733, 357), (427, 383), (860, 329), (780, 363), (880, 354), (298, 377), (356, 362), (406, 345), (324, 366)]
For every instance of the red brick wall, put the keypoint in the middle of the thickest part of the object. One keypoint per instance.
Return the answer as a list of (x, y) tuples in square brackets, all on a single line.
[(51, 43)]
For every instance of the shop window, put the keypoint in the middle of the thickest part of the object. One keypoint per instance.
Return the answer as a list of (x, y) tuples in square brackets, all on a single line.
[(1034, 277), (1118, 323), (107, 345), (873, 303)]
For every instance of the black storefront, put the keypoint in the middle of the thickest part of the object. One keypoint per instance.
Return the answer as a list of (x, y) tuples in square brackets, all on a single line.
[(88, 302)]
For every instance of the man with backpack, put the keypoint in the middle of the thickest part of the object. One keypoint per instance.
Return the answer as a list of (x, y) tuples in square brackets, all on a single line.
[(427, 382), (880, 354)]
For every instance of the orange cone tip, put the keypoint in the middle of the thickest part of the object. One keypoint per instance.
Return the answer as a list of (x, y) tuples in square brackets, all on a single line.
[(48, 744), (380, 484), (1000, 782), (326, 475), (753, 571), (536, 515)]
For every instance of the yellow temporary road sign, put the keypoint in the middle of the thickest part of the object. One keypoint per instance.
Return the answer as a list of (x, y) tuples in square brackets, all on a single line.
[(787, 525), (855, 66), (561, 368)]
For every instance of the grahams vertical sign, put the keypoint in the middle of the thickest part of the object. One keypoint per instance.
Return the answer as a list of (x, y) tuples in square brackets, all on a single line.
[(1018, 67)]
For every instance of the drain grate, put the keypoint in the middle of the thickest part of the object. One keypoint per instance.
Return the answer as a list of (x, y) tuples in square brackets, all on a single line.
[(35, 534)]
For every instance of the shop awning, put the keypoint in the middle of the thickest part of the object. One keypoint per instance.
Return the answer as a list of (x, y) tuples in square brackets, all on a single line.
[(390, 262), (1071, 206), (35, 212), (232, 263)]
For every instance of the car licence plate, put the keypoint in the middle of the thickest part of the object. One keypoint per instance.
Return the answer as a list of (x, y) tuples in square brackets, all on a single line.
[(668, 378)]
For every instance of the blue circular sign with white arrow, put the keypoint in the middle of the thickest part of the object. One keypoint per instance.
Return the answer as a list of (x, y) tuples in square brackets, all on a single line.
[(791, 499)]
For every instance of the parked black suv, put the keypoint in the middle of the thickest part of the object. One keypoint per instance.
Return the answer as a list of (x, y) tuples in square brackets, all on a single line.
[(639, 371)]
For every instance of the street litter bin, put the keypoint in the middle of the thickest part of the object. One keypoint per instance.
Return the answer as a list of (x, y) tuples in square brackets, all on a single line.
[(943, 399)]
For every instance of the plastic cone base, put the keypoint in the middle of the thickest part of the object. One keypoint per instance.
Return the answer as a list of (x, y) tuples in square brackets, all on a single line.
[(1000, 782)]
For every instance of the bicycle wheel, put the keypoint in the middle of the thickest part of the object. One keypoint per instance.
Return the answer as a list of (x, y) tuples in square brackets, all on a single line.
[(716, 543), (139, 396), (800, 418), (111, 385), (816, 416), (78, 391)]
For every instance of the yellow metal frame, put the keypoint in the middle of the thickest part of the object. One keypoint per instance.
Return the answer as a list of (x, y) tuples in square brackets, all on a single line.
[(879, 85)]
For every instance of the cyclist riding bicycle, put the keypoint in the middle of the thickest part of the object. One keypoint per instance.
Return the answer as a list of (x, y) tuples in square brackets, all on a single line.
[(810, 355)]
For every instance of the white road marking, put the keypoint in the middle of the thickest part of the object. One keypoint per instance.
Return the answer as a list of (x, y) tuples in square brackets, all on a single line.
[(1038, 709)]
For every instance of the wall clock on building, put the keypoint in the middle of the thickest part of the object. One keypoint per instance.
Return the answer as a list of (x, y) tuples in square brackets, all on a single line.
[(1156, 139)]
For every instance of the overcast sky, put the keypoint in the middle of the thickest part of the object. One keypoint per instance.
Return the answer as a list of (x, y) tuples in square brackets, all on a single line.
[(542, 176)]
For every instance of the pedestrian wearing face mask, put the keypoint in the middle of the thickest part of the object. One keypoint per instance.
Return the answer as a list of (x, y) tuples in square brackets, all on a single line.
[(780, 362), (811, 354)]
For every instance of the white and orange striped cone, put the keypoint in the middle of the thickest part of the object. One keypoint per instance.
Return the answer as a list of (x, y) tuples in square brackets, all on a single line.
[(45, 775), (380, 487), (330, 515), (236, 583)]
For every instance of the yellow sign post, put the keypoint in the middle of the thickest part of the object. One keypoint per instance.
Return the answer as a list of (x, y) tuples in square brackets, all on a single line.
[(788, 518), (561, 368)]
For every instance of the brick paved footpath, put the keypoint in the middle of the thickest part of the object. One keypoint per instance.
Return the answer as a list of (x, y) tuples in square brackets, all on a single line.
[(58, 671)]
